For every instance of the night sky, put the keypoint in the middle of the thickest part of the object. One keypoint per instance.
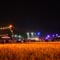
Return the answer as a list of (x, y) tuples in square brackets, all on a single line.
[(32, 16)]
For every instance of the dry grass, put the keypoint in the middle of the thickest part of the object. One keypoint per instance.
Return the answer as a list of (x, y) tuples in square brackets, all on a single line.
[(30, 51)]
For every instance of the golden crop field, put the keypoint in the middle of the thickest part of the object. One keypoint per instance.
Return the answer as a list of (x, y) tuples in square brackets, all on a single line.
[(30, 51)]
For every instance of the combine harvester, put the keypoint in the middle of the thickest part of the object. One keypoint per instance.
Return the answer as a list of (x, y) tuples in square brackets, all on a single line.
[(4, 36)]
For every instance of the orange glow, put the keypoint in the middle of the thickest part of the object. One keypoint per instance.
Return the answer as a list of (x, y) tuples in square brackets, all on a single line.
[(30, 51), (10, 26)]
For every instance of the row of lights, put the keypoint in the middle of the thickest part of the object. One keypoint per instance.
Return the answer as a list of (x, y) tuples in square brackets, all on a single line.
[(48, 36), (17, 36), (3, 28), (32, 34)]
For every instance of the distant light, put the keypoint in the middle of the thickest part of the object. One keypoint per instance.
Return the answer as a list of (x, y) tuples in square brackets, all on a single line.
[(19, 36), (10, 26), (15, 35), (38, 33), (56, 34), (48, 36), (28, 36), (36, 38), (27, 33), (5, 37), (19, 39), (53, 35), (32, 33)]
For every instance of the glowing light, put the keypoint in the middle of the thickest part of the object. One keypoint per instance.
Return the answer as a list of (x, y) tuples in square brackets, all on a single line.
[(5, 37), (38, 33), (10, 26), (56, 34), (27, 33), (53, 35), (48, 36), (32, 34), (28, 36), (34, 38), (15, 35), (19, 36)]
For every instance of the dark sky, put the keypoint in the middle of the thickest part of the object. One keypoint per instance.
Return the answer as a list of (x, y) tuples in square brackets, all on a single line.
[(31, 16)]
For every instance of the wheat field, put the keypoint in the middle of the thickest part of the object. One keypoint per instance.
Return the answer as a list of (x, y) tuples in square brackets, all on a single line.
[(30, 51)]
